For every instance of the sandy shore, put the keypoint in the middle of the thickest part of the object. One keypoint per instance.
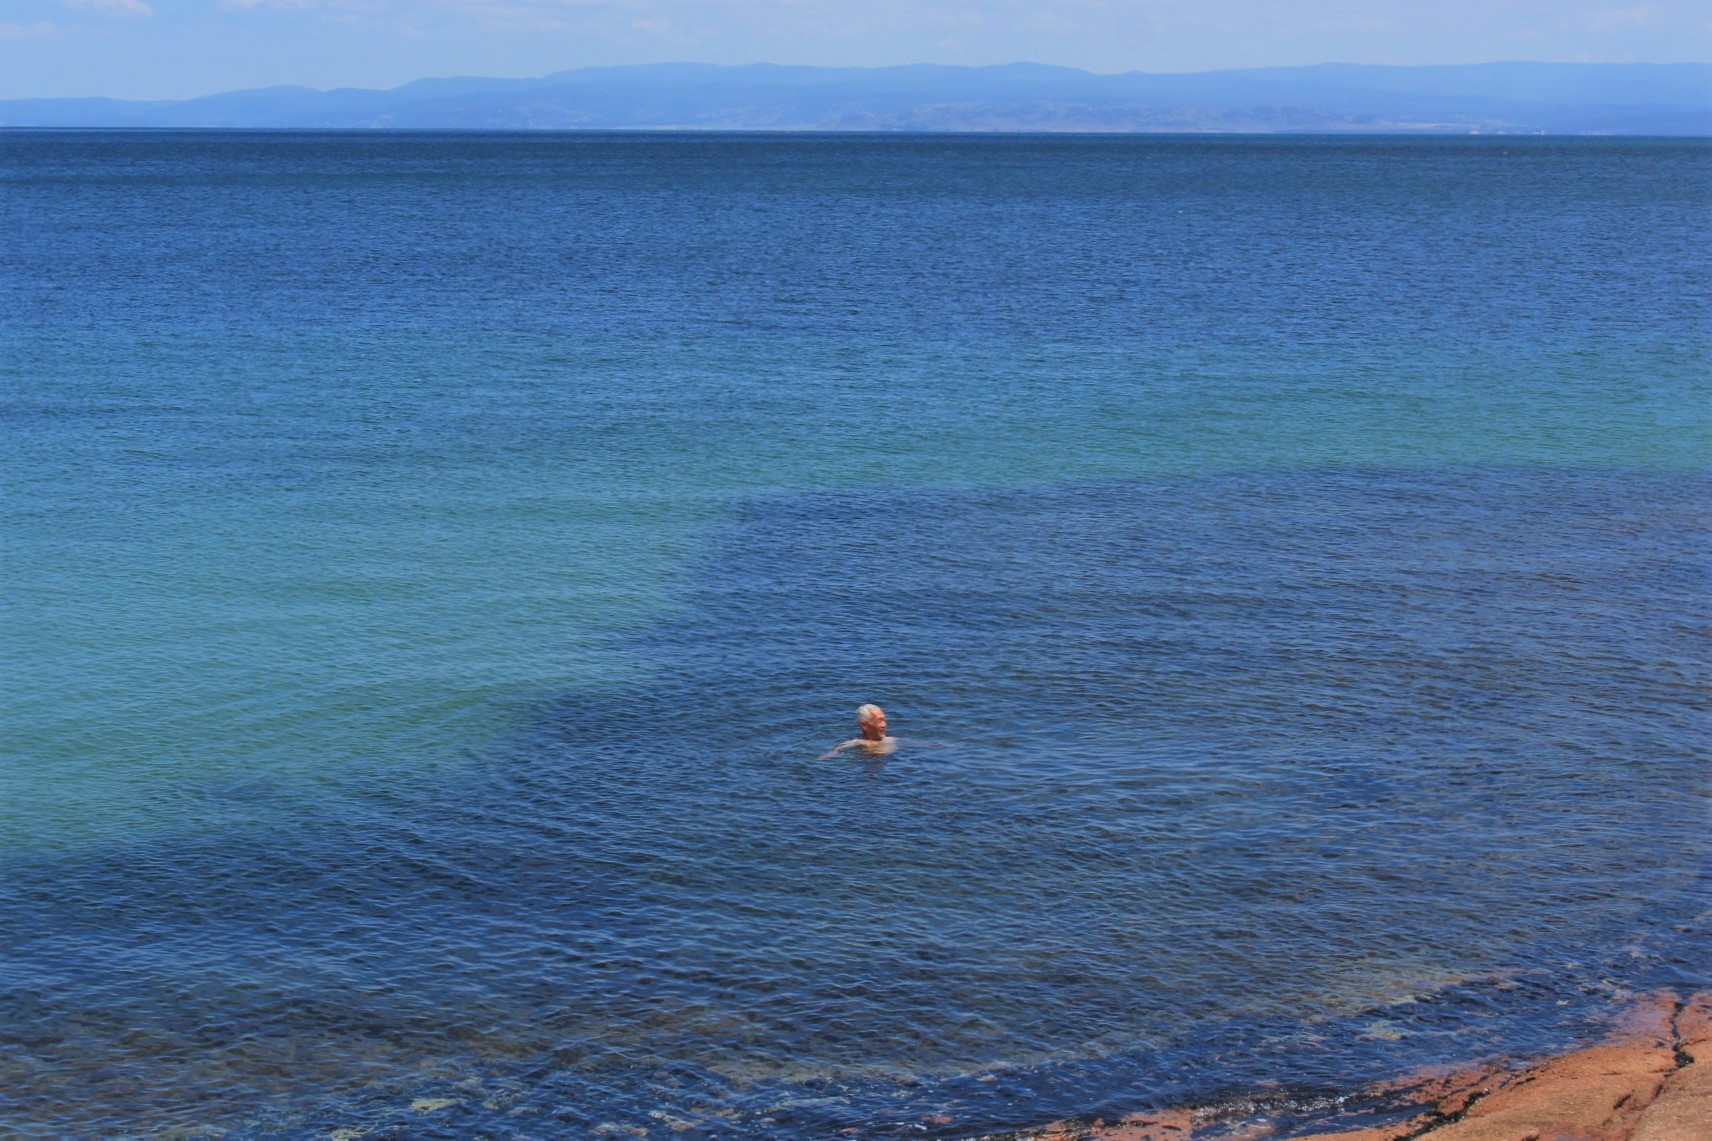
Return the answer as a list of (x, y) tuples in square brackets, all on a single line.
[(1649, 1079)]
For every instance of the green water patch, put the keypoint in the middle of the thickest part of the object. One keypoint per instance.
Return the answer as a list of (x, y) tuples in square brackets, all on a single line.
[(326, 560), (1208, 783)]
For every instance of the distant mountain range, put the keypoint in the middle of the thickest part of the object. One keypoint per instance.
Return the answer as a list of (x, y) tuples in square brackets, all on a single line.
[(1513, 98)]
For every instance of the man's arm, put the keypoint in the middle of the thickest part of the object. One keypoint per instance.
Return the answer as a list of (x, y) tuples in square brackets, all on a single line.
[(836, 749)]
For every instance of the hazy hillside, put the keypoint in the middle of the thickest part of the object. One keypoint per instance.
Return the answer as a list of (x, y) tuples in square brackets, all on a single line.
[(1646, 99)]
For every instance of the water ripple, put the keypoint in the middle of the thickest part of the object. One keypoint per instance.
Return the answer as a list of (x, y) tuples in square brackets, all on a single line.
[(1173, 802)]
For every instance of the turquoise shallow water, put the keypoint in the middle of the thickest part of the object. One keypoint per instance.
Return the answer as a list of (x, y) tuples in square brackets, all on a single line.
[(434, 562)]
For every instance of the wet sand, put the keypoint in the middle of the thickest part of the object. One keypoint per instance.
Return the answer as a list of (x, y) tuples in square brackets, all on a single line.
[(1649, 1079)]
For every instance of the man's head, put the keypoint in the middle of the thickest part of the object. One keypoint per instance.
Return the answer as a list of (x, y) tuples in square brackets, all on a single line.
[(871, 719)]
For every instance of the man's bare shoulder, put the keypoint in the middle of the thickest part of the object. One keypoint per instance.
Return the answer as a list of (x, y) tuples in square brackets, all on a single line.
[(881, 748)]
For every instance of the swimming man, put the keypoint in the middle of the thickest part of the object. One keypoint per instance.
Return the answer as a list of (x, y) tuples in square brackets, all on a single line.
[(871, 720)]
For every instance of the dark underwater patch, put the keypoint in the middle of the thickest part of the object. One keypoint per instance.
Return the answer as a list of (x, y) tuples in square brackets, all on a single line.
[(1297, 777)]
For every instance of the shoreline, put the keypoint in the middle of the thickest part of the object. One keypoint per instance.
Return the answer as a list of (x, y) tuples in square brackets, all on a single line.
[(1648, 1079)]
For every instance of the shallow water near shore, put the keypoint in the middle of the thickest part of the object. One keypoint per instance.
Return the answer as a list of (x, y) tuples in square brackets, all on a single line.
[(441, 559)]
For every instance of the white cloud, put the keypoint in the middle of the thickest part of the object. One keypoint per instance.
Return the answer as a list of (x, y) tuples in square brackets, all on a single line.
[(305, 5), (26, 31), (1615, 19), (130, 8)]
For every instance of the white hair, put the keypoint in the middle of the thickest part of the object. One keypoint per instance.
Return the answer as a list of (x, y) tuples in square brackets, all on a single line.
[(868, 712)]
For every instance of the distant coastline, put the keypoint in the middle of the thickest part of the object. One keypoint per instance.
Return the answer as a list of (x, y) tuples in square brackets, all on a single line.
[(1493, 98)]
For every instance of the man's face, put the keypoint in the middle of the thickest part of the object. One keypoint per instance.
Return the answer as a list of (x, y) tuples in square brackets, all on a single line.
[(874, 726)]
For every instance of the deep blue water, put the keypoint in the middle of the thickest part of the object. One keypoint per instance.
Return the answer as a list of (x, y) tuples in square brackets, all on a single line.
[(434, 563)]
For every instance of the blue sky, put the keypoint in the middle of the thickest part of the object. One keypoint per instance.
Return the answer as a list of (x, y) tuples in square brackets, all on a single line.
[(178, 48)]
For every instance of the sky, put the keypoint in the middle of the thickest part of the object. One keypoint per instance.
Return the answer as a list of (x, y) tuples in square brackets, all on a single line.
[(175, 49)]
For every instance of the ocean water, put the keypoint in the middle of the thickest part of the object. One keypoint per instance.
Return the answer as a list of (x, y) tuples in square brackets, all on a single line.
[(433, 563)]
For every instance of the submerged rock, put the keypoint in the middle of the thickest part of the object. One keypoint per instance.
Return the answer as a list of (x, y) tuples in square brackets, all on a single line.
[(1650, 1079)]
